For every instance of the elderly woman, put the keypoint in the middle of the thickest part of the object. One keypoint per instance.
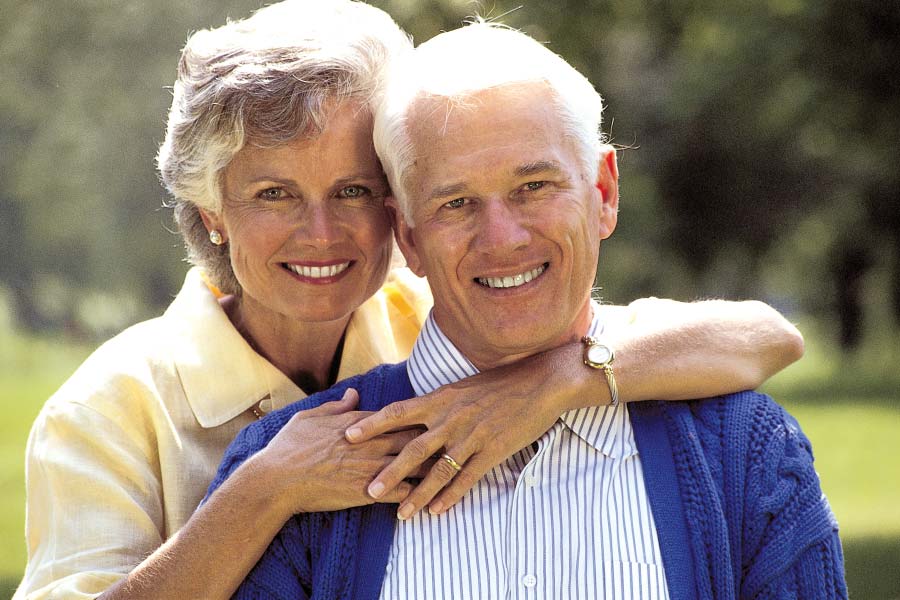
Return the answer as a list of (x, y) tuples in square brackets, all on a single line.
[(279, 196)]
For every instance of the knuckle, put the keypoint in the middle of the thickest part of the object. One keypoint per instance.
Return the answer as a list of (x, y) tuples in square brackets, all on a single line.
[(417, 449), (396, 411), (443, 470)]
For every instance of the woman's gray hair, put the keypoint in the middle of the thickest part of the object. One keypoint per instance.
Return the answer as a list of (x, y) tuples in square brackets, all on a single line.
[(456, 65), (267, 79)]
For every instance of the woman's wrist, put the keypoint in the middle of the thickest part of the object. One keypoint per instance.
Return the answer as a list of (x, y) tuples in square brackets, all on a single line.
[(573, 384), (264, 490)]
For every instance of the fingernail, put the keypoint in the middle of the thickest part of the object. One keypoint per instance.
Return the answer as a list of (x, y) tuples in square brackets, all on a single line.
[(436, 507), (353, 433), (376, 489), (406, 511)]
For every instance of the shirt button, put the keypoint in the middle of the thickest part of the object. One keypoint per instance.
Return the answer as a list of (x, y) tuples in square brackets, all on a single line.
[(531, 480), (529, 581)]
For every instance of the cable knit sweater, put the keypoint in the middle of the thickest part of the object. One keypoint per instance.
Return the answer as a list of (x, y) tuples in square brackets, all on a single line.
[(737, 505)]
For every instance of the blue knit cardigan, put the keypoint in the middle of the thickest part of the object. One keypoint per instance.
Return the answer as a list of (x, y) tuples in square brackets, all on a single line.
[(737, 505)]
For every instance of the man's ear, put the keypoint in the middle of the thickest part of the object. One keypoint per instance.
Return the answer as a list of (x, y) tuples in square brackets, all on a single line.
[(403, 232), (608, 184)]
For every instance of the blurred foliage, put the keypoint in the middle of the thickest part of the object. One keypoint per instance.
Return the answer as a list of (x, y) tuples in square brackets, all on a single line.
[(760, 148)]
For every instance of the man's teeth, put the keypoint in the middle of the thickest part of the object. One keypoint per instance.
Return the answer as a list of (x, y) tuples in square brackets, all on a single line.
[(513, 281), (318, 272)]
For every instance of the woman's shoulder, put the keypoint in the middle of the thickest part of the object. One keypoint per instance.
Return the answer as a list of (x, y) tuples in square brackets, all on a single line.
[(408, 294), (119, 367), (140, 361)]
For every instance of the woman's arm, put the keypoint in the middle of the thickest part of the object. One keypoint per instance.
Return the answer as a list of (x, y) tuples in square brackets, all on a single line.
[(304, 465), (665, 350), (96, 513)]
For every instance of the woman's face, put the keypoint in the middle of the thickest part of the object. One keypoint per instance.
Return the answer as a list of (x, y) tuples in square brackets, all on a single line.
[(308, 235)]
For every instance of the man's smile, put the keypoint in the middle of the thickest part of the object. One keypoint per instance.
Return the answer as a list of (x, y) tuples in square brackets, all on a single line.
[(510, 281)]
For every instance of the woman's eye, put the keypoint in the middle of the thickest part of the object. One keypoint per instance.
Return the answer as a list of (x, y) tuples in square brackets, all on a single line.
[(354, 191), (456, 203), (271, 194)]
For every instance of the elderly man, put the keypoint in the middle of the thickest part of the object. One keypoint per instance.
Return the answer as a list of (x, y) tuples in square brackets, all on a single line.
[(503, 194)]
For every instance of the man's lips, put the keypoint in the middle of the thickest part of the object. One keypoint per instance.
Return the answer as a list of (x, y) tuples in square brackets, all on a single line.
[(515, 280), (318, 271)]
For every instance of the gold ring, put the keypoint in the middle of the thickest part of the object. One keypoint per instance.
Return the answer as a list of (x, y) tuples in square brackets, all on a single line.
[(451, 462)]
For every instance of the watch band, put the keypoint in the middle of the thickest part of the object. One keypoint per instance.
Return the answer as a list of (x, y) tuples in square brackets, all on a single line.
[(605, 366)]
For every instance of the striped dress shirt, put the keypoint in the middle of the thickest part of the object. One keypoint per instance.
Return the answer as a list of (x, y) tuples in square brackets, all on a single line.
[(567, 517)]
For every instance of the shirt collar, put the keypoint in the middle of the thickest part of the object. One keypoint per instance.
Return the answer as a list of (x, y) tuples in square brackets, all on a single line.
[(436, 361), (222, 376)]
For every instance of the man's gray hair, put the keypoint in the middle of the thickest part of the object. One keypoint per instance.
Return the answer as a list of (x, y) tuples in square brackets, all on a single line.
[(456, 65), (267, 79)]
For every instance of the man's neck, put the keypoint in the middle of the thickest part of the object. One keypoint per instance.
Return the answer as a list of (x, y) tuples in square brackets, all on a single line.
[(485, 355)]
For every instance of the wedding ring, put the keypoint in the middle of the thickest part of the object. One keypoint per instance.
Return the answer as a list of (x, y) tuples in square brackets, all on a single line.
[(451, 462)]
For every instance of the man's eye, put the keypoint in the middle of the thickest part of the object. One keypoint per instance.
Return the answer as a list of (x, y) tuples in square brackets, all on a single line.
[(354, 191), (456, 203), (271, 194), (533, 186)]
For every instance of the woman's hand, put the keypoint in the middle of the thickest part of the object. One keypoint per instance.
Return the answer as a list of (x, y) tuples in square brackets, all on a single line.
[(479, 421), (320, 470)]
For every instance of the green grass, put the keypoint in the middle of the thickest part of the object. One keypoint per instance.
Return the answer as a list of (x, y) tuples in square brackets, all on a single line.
[(849, 408)]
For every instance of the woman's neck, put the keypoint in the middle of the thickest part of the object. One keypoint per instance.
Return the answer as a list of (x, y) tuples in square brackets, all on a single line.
[(308, 353)]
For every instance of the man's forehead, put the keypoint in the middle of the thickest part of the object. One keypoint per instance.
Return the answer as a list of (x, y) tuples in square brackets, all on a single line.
[(497, 117)]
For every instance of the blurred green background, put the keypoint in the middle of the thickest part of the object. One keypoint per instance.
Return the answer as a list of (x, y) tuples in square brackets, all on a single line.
[(761, 161)]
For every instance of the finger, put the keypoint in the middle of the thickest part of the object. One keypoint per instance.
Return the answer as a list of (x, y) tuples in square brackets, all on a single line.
[(416, 452), (398, 494), (386, 445), (393, 443), (474, 469), (423, 469), (398, 415), (441, 473), (347, 402)]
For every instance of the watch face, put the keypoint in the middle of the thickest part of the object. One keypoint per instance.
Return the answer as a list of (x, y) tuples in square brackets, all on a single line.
[(599, 354)]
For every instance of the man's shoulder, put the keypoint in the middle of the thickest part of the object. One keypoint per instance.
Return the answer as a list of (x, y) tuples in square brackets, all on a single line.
[(737, 409), (748, 413), (748, 424)]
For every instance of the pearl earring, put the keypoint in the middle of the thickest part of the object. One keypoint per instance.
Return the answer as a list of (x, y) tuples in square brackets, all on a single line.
[(216, 238)]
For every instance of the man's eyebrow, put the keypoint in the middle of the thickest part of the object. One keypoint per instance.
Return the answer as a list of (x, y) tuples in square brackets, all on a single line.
[(538, 166), (446, 190), (531, 168)]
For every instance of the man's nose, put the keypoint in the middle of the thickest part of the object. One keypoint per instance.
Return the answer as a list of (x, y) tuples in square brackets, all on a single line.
[(503, 228)]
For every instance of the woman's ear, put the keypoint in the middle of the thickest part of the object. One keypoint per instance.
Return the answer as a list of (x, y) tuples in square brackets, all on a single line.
[(403, 232), (608, 184), (212, 223)]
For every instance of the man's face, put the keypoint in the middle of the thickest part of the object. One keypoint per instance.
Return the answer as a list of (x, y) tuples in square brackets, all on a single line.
[(507, 224)]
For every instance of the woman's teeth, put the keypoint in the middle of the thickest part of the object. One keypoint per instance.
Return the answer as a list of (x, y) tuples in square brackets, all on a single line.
[(318, 272)]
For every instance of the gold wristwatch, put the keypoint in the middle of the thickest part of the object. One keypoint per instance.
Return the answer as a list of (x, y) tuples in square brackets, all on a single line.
[(598, 355)]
